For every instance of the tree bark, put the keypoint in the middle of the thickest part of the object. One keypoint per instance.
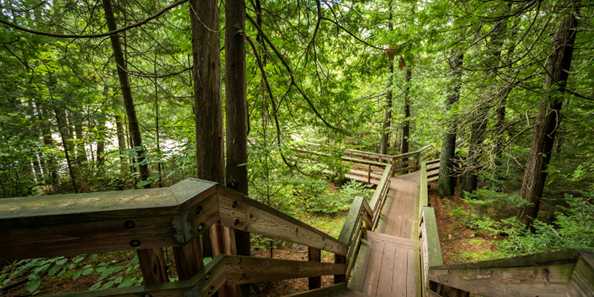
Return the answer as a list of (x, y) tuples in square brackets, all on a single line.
[(406, 124), (101, 135), (51, 168), (121, 145), (152, 261), (548, 119), (236, 107), (122, 70), (67, 144), (387, 123), (209, 127), (447, 171)]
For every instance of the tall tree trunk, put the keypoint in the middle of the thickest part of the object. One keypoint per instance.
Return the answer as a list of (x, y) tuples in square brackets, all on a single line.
[(210, 164), (157, 125), (236, 108), (447, 172), (79, 147), (101, 134), (49, 160), (121, 145), (152, 261), (60, 114), (481, 115), (122, 70), (548, 119), (387, 123), (406, 124)]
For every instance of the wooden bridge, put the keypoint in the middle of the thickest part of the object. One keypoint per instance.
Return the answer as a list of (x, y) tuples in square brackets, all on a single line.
[(388, 246)]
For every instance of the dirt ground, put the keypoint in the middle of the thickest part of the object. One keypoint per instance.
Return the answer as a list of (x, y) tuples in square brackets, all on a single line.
[(459, 244)]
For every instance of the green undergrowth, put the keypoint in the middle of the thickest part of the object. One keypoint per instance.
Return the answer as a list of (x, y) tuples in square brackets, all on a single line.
[(114, 270), (496, 231)]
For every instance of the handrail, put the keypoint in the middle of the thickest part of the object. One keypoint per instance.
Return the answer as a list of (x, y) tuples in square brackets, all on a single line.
[(63, 225)]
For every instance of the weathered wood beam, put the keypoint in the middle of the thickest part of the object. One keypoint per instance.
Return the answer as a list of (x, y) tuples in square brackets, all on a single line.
[(247, 270), (582, 278), (71, 224), (239, 212), (542, 280)]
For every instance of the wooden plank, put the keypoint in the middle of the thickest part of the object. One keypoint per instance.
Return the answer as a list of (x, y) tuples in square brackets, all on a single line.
[(241, 213), (26, 208), (434, 256), (351, 220), (582, 278), (332, 290), (387, 272), (88, 225), (358, 272), (376, 251), (542, 280), (247, 270), (314, 255), (380, 188), (188, 259), (545, 258), (153, 267), (400, 241), (340, 277), (412, 274), (399, 279)]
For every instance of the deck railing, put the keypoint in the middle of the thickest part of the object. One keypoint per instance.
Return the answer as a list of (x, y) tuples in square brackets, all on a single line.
[(556, 273), (180, 216), (147, 220)]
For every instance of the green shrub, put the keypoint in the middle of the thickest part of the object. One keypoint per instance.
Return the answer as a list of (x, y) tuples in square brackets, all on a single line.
[(573, 228)]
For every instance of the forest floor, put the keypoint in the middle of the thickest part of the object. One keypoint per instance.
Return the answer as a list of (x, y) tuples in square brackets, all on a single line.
[(460, 244)]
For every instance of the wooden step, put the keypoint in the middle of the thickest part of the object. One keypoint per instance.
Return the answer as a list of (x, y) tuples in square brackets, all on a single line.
[(339, 290), (375, 236)]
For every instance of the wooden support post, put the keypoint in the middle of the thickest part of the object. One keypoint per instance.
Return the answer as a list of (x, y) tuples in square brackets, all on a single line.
[(188, 259), (369, 174), (153, 267), (222, 240), (339, 278), (314, 255)]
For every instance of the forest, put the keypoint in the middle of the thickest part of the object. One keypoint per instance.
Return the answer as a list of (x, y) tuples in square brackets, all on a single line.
[(268, 97)]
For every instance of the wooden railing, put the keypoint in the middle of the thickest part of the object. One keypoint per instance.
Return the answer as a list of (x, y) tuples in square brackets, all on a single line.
[(558, 273), (368, 167), (149, 219)]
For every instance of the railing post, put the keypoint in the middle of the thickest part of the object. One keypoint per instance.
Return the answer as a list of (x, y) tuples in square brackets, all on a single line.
[(339, 278), (369, 174), (152, 265), (188, 259), (314, 255)]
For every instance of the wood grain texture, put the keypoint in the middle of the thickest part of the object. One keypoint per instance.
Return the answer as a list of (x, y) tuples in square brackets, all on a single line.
[(72, 224), (241, 213)]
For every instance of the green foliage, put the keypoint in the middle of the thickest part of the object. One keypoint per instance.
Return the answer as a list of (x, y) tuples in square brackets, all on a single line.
[(106, 273), (319, 199), (572, 228)]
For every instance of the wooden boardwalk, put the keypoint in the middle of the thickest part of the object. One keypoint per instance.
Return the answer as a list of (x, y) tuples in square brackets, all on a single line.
[(392, 255)]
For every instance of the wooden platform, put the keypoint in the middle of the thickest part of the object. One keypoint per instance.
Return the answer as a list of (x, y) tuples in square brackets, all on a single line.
[(391, 259)]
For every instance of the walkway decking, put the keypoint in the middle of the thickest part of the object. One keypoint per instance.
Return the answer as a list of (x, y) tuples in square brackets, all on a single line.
[(392, 257)]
